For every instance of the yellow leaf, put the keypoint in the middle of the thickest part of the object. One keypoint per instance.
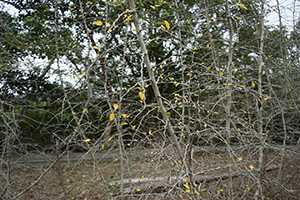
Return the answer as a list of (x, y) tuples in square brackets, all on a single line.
[(128, 18), (127, 10), (196, 192), (116, 106), (111, 138), (251, 166), (72, 8), (110, 30), (221, 73), (186, 185), (188, 190), (152, 6), (111, 116), (107, 24), (179, 161), (141, 95), (102, 146), (291, 107), (240, 158), (163, 27), (243, 6), (144, 9), (98, 23), (270, 55), (167, 24), (238, 18), (87, 140), (125, 115), (96, 48), (253, 84), (207, 22), (141, 89), (189, 74)]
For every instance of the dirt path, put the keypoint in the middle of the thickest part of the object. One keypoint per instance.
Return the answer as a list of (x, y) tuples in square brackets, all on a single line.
[(107, 155)]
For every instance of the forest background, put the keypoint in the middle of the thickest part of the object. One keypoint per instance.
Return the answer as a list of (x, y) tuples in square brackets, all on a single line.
[(208, 87)]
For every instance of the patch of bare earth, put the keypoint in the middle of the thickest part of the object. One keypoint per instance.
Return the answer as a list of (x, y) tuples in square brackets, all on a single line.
[(157, 177)]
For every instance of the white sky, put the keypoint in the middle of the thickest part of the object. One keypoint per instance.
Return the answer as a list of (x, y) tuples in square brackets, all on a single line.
[(289, 9)]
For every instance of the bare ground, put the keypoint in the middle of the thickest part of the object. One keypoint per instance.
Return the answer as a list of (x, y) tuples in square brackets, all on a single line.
[(79, 177)]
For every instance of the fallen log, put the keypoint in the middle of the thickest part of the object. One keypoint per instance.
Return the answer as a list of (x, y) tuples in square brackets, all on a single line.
[(161, 184)]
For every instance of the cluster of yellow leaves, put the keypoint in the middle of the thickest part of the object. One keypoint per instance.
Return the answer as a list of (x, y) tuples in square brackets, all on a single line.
[(186, 185), (112, 115), (127, 17), (207, 22), (241, 5), (167, 25)]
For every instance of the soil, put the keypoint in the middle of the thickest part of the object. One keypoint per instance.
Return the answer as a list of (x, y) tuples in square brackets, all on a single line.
[(78, 176)]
